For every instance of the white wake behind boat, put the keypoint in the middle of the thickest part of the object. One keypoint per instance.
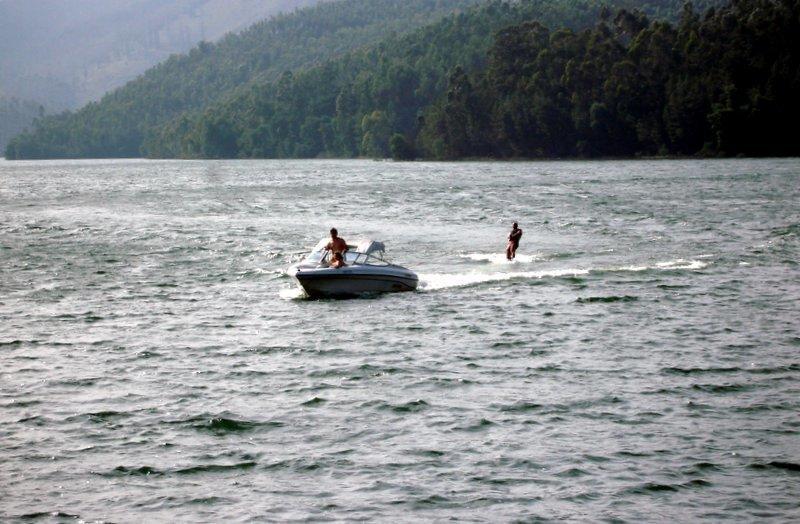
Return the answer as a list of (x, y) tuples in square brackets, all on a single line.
[(366, 271)]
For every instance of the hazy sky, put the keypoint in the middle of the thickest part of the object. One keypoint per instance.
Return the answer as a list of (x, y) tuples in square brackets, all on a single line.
[(67, 52)]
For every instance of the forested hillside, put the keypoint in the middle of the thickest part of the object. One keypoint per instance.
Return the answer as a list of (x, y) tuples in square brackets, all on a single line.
[(533, 78), (394, 98), (115, 126)]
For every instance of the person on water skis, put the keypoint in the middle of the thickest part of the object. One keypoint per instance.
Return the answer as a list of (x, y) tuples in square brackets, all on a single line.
[(513, 241)]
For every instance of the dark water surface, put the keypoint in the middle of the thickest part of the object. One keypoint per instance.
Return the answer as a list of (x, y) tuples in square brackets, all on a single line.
[(640, 361)]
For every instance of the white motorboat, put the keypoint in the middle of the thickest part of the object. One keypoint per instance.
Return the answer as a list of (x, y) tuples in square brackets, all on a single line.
[(365, 271)]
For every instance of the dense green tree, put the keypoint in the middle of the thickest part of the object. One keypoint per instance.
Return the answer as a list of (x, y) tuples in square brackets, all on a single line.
[(401, 148), (720, 84), (375, 135)]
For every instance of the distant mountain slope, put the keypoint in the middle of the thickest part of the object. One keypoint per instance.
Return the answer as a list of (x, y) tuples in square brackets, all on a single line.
[(65, 53), (116, 126)]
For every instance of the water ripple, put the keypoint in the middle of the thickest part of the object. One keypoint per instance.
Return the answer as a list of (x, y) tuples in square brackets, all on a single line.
[(637, 362)]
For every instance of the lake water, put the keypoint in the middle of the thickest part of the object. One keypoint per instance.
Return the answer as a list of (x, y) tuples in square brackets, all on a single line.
[(639, 361)]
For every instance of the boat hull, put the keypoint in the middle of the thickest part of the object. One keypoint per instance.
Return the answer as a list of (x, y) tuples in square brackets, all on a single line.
[(347, 282)]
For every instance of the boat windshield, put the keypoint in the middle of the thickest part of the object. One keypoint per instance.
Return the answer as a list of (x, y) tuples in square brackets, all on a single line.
[(318, 254), (361, 258), (355, 254)]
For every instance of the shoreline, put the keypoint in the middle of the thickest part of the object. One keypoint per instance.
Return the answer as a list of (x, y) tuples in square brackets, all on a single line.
[(515, 160)]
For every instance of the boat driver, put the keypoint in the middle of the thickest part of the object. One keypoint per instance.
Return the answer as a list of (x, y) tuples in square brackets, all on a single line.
[(337, 243)]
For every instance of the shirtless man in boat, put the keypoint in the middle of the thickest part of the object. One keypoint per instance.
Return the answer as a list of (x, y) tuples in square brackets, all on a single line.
[(513, 241), (336, 245)]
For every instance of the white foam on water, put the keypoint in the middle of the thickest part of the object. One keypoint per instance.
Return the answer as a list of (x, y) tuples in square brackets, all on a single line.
[(679, 263), (682, 264), (500, 258), (433, 281), (430, 282), (291, 293)]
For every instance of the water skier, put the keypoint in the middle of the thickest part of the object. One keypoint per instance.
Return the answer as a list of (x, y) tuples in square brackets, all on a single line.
[(513, 241)]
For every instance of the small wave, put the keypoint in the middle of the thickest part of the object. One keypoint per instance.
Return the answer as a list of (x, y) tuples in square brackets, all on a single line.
[(226, 425), (60, 515), (209, 500), (572, 473), (652, 487), (509, 344), (732, 369), (216, 468), (15, 403), (674, 370), (612, 298), (221, 425), (434, 453), (149, 471), (98, 417), (108, 414), (316, 401), (122, 471), (697, 483), (777, 464), (480, 425), (413, 406), (789, 230), (722, 388), (633, 454), (432, 500), (521, 407), (762, 408), (78, 382), (302, 465), (702, 468)]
